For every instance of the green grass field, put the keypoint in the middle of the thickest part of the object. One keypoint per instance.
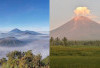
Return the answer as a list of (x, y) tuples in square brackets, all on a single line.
[(75, 57)]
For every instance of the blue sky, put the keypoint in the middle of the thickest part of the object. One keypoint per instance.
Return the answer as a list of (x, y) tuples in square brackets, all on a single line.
[(24, 14)]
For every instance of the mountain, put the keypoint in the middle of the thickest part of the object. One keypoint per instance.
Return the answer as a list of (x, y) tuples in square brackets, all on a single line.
[(79, 28), (17, 31), (10, 41), (31, 32)]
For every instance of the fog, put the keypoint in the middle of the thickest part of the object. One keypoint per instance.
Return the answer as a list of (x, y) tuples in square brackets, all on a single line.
[(39, 44)]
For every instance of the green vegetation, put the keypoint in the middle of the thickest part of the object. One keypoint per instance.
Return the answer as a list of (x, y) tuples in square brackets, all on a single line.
[(65, 42), (46, 60), (75, 57), (17, 59), (74, 54)]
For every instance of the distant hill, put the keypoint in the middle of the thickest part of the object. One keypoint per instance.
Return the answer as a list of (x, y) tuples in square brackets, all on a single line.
[(17, 32), (10, 41), (79, 28)]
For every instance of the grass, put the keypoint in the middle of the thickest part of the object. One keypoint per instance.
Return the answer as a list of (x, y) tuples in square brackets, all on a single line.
[(75, 57)]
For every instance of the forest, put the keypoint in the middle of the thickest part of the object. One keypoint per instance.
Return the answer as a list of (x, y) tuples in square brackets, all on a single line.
[(18, 59), (65, 42)]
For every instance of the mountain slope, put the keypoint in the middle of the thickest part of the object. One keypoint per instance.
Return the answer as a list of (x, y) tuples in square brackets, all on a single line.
[(79, 28), (15, 31), (10, 41)]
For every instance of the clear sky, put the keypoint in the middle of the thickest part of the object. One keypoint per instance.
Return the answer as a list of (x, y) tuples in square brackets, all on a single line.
[(61, 11), (24, 14)]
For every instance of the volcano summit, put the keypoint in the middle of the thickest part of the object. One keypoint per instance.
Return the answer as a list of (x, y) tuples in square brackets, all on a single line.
[(79, 28)]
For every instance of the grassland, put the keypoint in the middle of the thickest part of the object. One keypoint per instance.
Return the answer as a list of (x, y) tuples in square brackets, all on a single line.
[(75, 56)]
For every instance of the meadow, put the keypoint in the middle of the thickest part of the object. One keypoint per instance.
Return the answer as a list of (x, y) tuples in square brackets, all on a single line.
[(77, 56)]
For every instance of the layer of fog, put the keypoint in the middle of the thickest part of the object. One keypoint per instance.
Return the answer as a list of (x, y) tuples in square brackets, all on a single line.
[(39, 45)]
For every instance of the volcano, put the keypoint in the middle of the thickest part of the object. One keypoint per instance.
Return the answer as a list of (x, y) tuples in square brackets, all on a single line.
[(79, 28)]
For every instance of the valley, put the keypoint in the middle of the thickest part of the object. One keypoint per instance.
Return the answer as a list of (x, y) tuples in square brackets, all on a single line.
[(23, 41)]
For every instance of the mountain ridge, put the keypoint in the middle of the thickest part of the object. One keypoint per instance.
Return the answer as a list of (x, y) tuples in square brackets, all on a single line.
[(16, 30)]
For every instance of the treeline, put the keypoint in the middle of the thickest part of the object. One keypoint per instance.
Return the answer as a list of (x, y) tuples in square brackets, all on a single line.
[(17, 59), (65, 42)]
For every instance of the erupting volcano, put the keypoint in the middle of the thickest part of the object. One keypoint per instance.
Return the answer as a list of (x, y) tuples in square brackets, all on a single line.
[(81, 27), (84, 11)]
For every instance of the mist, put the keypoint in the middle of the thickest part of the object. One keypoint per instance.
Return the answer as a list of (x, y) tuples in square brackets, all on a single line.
[(39, 44)]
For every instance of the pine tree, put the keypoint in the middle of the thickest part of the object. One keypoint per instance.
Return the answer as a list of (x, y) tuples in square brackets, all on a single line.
[(51, 41), (65, 42), (57, 41)]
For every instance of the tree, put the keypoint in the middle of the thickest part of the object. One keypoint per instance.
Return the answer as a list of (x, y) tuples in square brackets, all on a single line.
[(51, 41), (57, 41), (65, 42), (17, 59), (3, 60)]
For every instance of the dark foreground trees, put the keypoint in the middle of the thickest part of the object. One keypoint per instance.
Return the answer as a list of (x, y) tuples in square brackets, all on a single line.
[(19, 59)]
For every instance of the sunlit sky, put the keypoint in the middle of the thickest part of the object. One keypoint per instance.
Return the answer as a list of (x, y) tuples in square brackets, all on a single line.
[(24, 14), (61, 11)]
